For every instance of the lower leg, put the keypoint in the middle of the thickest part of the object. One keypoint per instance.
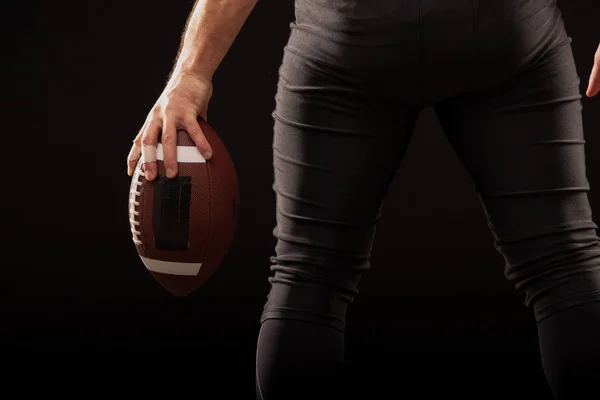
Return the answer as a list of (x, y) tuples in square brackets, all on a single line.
[(570, 349), (298, 360)]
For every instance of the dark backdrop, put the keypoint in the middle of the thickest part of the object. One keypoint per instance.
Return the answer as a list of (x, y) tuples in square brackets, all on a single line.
[(437, 316)]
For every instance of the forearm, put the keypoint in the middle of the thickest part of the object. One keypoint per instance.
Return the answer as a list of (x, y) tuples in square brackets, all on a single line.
[(211, 29)]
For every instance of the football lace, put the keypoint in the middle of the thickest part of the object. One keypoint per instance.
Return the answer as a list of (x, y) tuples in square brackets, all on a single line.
[(133, 202)]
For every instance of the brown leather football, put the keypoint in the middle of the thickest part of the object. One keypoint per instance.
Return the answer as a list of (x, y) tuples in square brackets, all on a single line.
[(183, 227)]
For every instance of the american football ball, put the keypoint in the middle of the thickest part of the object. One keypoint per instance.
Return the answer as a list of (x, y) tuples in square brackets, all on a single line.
[(183, 227)]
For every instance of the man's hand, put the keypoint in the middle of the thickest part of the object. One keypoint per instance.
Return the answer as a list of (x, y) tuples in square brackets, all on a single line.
[(210, 31), (185, 97), (594, 84)]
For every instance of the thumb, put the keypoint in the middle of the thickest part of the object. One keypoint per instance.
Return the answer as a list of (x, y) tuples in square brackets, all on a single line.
[(594, 83), (204, 114)]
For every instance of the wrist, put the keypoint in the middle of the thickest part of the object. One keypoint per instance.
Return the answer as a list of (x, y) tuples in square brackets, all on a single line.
[(194, 69), (180, 74)]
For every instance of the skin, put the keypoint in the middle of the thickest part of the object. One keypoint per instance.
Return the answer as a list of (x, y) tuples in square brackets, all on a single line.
[(210, 31), (594, 83)]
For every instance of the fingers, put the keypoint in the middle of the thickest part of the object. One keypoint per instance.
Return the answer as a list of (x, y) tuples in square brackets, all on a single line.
[(146, 142), (168, 119), (149, 142), (136, 151), (193, 129), (169, 146), (594, 83), (133, 157)]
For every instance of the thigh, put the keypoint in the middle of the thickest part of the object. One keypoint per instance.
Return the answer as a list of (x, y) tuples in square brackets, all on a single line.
[(335, 150), (523, 145)]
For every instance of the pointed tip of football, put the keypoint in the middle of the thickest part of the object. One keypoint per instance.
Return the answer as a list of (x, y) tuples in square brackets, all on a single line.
[(177, 285)]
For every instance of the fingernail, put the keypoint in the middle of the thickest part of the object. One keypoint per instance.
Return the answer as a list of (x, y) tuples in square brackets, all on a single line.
[(207, 155), (170, 172), (129, 171), (147, 174)]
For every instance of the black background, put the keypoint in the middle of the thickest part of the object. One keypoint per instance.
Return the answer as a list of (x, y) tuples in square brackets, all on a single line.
[(435, 312)]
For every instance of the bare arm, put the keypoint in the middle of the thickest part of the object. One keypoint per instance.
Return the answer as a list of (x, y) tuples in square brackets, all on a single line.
[(210, 31)]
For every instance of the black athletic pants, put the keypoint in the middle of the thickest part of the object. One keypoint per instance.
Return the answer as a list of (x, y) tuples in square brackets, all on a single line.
[(501, 77)]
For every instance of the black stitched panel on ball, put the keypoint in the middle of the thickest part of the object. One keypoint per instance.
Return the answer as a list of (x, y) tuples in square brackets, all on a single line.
[(171, 212)]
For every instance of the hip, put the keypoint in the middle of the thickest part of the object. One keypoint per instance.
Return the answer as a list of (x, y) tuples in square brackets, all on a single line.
[(427, 46)]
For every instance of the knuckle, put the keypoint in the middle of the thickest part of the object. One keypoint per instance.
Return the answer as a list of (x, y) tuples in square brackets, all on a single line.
[(195, 135), (150, 135), (147, 140), (193, 129), (168, 138), (170, 109)]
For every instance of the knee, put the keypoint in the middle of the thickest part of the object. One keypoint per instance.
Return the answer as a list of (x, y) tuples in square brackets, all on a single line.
[(310, 302), (548, 240), (555, 271)]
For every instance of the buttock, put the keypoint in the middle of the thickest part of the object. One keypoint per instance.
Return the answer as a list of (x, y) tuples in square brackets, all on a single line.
[(424, 51)]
